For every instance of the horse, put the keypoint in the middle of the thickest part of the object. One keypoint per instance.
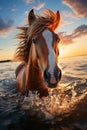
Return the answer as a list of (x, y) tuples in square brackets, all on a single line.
[(38, 51)]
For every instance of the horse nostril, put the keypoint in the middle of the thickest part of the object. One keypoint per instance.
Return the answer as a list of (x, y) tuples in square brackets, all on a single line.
[(57, 73), (47, 75)]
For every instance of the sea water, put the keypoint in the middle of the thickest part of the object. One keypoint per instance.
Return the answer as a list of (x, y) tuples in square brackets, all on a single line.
[(58, 111)]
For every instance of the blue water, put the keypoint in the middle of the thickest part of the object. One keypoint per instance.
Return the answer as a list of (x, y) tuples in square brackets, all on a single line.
[(18, 112)]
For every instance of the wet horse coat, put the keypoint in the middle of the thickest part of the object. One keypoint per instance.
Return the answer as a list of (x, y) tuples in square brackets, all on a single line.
[(38, 51)]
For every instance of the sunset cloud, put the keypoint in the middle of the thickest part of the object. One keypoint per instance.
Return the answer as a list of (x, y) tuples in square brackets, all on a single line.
[(29, 1), (67, 17), (1, 49), (64, 22), (39, 6), (78, 6), (5, 27), (69, 14), (69, 38)]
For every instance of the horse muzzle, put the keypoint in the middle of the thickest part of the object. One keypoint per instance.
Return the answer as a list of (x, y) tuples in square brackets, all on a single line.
[(52, 78)]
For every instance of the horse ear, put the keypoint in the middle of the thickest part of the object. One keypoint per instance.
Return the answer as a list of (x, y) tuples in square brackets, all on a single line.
[(31, 17), (58, 16)]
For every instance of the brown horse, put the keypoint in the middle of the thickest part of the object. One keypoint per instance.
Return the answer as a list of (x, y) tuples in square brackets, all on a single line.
[(38, 51)]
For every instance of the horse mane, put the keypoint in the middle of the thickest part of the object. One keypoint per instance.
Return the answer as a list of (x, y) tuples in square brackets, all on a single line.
[(47, 19)]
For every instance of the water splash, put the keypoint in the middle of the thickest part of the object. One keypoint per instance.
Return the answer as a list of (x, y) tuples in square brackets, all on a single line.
[(64, 108), (58, 104)]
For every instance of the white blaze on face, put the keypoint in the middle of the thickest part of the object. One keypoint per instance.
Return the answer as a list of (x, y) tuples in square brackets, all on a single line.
[(48, 36)]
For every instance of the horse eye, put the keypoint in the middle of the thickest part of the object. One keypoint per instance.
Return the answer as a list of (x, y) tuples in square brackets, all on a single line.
[(35, 40)]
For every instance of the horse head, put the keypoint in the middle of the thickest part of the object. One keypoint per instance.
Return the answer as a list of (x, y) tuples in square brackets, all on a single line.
[(45, 46)]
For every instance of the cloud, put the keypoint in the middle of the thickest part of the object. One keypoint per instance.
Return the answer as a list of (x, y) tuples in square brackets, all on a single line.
[(39, 6), (5, 27), (69, 38), (79, 31), (0, 8), (64, 22), (78, 6), (67, 17), (14, 8), (1, 49), (29, 1)]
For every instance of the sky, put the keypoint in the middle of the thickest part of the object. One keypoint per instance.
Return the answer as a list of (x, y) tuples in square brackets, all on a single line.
[(72, 28)]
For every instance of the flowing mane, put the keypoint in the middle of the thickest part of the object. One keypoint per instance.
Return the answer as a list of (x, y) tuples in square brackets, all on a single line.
[(47, 19)]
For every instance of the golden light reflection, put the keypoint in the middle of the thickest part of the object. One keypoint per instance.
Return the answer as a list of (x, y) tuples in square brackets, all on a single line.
[(6, 55), (78, 48)]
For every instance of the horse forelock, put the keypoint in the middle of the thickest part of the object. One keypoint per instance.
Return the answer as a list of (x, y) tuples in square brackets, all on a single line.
[(47, 19)]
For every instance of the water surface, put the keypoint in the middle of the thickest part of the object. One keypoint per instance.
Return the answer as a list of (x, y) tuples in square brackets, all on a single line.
[(64, 109)]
